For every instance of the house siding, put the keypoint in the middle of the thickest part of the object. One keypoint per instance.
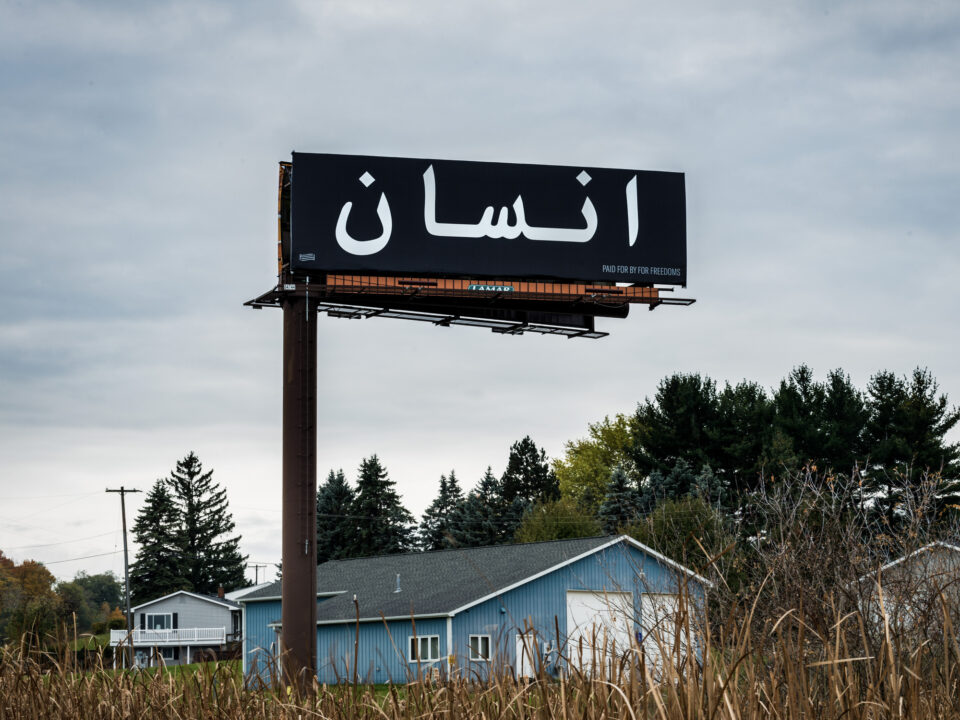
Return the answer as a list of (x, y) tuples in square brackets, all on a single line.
[(259, 639), (191, 612), (382, 652), (541, 605)]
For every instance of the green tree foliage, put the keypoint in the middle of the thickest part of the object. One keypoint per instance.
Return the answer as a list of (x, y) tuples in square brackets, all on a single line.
[(211, 557), (528, 476), (906, 437), (741, 432), (561, 519), (486, 517), (584, 471), (75, 606), (335, 524), (159, 567), (384, 526), (439, 520), (676, 424), (621, 503), (686, 529), (798, 413), (844, 424), (100, 588)]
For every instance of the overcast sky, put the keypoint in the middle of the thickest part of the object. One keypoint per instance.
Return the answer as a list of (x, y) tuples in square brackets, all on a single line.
[(138, 172)]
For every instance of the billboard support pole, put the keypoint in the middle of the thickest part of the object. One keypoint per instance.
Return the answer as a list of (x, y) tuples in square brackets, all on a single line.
[(298, 636)]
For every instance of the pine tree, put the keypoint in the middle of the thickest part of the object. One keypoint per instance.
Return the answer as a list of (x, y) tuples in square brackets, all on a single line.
[(528, 476), (621, 504), (436, 527), (211, 558), (384, 526), (844, 419), (157, 569), (486, 517), (905, 435), (677, 424), (335, 525), (799, 403)]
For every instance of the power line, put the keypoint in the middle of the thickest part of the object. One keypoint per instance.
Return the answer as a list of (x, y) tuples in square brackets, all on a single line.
[(62, 542), (85, 557), (44, 497)]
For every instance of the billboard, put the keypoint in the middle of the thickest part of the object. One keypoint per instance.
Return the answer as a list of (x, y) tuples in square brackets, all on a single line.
[(355, 213)]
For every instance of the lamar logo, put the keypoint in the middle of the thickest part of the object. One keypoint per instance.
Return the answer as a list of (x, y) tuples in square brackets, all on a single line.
[(491, 288)]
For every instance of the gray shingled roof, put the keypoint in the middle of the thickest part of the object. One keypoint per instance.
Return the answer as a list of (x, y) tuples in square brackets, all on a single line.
[(431, 582)]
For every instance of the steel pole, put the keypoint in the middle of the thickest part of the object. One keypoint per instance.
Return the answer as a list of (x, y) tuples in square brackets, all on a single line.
[(298, 635)]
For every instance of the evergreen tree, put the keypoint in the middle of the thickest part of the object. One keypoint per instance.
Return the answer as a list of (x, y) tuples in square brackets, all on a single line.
[(158, 567), (528, 476), (436, 527), (677, 424), (335, 525), (742, 429), (210, 557), (844, 419), (486, 517), (621, 504), (799, 405), (709, 487), (905, 435), (678, 483), (384, 526)]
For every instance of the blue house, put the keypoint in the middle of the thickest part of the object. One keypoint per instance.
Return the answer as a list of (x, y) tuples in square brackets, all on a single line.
[(467, 611)]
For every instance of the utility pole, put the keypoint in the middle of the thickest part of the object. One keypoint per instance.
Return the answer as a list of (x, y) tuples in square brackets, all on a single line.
[(126, 566)]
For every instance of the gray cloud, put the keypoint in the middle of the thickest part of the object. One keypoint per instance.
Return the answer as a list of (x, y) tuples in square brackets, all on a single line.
[(138, 150)]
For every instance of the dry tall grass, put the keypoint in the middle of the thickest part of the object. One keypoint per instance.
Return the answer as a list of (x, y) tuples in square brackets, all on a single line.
[(780, 669)]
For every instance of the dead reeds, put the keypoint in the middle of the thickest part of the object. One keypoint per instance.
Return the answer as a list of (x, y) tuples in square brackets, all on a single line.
[(779, 668)]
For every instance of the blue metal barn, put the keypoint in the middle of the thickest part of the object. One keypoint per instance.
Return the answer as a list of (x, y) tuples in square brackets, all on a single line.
[(469, 611)]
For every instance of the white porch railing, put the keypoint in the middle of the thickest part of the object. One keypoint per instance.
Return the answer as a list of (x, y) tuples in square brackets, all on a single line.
[(181, 636)]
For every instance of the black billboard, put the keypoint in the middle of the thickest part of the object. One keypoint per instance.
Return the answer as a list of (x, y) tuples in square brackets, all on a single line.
[(363, 214)]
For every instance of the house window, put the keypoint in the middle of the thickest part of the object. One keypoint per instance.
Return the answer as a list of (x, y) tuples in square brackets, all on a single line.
[(159, 621), (480, 647), (425, 648), (167, 653)]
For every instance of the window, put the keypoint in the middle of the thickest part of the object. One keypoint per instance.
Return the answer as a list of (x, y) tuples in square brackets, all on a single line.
[(480, 647), (159, 621), (425, 648), (167, 653)]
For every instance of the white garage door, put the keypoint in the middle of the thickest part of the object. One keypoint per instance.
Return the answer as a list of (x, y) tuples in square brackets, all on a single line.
[(599, 627), (658, 627)]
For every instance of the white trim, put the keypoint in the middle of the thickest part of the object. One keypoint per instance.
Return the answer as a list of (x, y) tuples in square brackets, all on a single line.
[(470, 656), (412, 658), (243, 642), (925, 548), (449, 647), (391, 618), (278, 597), (620, 538), (216, 601)]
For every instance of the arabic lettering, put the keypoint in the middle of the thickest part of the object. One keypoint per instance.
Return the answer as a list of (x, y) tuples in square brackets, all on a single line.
[(372, 245), (502, 228)]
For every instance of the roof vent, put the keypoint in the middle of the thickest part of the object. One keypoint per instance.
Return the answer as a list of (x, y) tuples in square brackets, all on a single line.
[(398, 584)]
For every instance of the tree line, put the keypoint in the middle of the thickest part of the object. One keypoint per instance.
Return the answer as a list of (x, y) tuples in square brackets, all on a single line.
[(33, 605), (695, 456)]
